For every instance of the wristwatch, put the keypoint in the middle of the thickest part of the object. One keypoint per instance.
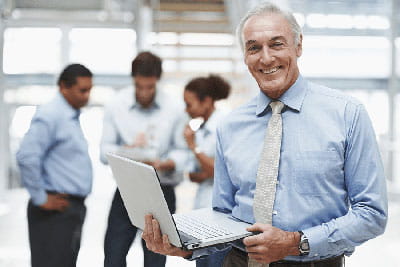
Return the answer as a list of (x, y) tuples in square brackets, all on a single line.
[(304, 246)]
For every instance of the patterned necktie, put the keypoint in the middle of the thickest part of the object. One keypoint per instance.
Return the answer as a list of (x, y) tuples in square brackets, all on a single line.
[(267, 173)]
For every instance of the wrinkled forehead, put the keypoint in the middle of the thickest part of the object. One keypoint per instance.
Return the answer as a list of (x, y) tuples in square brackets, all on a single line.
[(267, 24)]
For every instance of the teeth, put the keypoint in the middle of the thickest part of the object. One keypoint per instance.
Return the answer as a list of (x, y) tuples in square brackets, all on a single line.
[(270, 70)]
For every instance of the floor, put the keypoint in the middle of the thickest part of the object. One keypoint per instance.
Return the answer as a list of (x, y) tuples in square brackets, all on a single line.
[(14, 248)]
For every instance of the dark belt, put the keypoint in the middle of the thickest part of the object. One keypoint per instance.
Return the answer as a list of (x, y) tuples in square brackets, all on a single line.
[(68, 196), (330, 262)]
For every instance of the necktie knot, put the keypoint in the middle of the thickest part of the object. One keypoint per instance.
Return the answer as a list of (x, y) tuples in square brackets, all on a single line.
[(276, 107)]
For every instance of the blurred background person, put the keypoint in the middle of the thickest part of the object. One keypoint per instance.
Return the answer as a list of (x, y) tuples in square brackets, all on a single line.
[(56, 169), (143, 124), (200, 95)]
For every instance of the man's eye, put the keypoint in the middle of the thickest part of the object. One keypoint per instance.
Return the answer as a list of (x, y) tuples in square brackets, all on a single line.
[(252, 48), (277, 44)]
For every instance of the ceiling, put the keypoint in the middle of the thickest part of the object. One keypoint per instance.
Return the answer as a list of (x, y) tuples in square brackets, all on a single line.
[(218, 16)]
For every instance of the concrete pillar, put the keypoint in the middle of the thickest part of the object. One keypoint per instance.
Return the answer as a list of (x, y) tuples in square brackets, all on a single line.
[(392, 92), (144, 25), (4, 125)]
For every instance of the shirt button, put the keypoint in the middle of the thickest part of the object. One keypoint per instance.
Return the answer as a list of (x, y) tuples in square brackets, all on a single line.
[(274, 212), (316, 255), (277, 182)]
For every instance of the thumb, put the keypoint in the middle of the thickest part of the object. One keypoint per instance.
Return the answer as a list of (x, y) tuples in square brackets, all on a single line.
[(257, 227)]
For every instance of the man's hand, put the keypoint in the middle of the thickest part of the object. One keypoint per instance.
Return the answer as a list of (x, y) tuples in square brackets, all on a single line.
[(167, 165), (271, 244), (56, 202), (139, 141), (159, 243)]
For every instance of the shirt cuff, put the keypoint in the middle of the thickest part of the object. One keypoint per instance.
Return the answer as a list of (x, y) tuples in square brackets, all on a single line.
[(39, 197), (317, 240)]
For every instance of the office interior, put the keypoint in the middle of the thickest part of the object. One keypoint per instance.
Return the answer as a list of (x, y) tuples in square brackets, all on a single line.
[(350, 45)]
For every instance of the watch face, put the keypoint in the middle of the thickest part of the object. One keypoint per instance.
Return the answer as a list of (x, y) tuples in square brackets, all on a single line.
[(305, 246)]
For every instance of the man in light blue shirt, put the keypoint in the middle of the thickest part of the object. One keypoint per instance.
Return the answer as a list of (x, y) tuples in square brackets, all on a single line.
[(56, 169), (330, 193), (144, 124)]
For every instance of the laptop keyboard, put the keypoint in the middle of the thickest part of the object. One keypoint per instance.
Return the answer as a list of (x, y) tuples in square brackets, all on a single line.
[(198, 229)]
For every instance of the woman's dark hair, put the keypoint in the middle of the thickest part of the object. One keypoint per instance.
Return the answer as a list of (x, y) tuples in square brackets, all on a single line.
[(71, 72), (213, 86), (146, 64)]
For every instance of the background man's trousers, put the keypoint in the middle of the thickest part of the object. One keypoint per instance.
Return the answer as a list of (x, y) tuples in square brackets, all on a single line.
[(54, 236), (121, 233)]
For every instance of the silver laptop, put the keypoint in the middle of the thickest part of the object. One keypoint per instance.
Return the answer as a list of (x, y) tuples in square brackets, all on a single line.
[(141, 193)]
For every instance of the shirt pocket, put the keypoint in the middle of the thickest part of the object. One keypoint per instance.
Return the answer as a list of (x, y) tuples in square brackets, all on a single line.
[(318, 172)]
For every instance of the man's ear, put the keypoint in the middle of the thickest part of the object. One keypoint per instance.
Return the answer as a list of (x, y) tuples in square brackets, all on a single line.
[(299, 47)]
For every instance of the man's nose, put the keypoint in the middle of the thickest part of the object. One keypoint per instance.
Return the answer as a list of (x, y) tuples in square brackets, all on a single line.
[(266, 56)]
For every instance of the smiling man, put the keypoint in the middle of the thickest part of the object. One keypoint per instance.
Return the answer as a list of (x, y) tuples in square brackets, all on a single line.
[(57, 171), (315, 190)]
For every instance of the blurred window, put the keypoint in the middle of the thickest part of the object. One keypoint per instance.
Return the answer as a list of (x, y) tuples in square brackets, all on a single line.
[(31, 50), (103, 50)]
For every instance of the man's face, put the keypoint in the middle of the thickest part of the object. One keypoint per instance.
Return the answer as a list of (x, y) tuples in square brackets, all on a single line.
[(271, 53), (78, 94), (145, 89)]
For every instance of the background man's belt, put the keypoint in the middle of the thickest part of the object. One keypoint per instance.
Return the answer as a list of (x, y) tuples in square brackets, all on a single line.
[(68, 196)]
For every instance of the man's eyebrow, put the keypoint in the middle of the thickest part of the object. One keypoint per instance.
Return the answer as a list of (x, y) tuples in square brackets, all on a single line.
[(277, 38), (249, 42)]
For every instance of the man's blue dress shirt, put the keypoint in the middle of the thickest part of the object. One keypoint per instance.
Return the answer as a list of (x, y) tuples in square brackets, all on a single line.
[(331, 183), (53, 155), (162, 123)]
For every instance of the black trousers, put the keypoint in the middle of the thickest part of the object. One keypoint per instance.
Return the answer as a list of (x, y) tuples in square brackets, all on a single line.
[(54, 236), (121, 233), (238, 258)]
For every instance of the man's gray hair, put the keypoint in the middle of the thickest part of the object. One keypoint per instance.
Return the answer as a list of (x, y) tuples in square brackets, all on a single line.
[(266, 8)]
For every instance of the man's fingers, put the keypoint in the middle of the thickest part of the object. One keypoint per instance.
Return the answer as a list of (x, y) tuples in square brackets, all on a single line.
[(148, 228), (255, 249), (257, 227), (253, 240), (156, 231)]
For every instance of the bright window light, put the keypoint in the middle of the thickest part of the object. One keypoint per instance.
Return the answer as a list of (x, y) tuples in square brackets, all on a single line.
[(346, 42), (378, 22), (167, 51), (170, 65), (219, 66), (103, 50), (345, 56), (21, 121), (167, 38), (205, 52), (31, 50), (32, 95), (360, 22), (206, 39), (336, 21), (316, 21)]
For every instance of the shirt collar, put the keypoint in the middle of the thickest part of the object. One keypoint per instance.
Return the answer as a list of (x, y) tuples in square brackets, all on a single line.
[(293, 97), (211, 124), (69, 111), (156, 103)]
